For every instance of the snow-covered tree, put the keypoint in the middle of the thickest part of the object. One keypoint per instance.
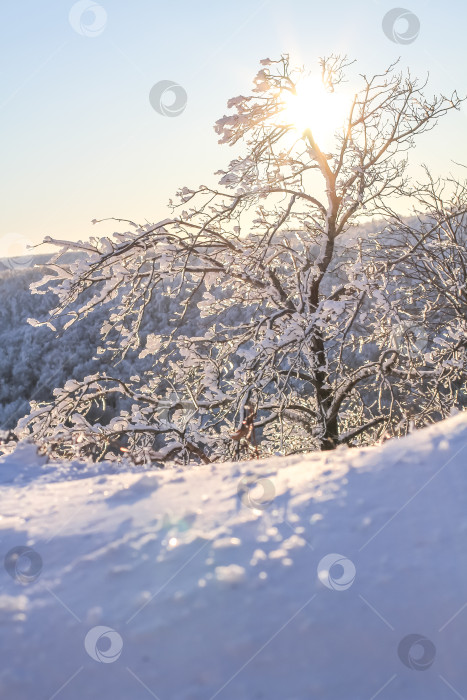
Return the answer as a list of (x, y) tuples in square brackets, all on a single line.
[(297, 310), (431, 285)]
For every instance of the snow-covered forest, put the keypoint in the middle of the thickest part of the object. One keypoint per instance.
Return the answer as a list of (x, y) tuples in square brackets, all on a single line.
[(35, 360)]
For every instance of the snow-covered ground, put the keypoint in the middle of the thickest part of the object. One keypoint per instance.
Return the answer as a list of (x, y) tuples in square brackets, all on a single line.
[(203, 584)]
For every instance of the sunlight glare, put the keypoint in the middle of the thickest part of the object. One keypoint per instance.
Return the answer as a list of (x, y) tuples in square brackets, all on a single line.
[(313, 107)]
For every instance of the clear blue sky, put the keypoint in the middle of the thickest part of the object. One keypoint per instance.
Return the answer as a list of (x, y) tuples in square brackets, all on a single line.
[(80, 139)]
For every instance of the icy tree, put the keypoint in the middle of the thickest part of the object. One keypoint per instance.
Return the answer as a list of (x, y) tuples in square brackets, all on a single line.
[(293, 303), (431, 286)]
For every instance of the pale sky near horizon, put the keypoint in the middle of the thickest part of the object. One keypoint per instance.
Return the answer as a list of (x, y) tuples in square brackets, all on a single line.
[(80, 139)]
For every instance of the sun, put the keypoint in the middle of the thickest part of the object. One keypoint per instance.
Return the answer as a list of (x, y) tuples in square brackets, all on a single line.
[(315, 108)]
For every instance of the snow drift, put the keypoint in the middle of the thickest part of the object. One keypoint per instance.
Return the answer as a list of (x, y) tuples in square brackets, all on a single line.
[(335, 575)]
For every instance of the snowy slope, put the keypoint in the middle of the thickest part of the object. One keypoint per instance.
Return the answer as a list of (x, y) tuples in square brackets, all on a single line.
[(207, 596)]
